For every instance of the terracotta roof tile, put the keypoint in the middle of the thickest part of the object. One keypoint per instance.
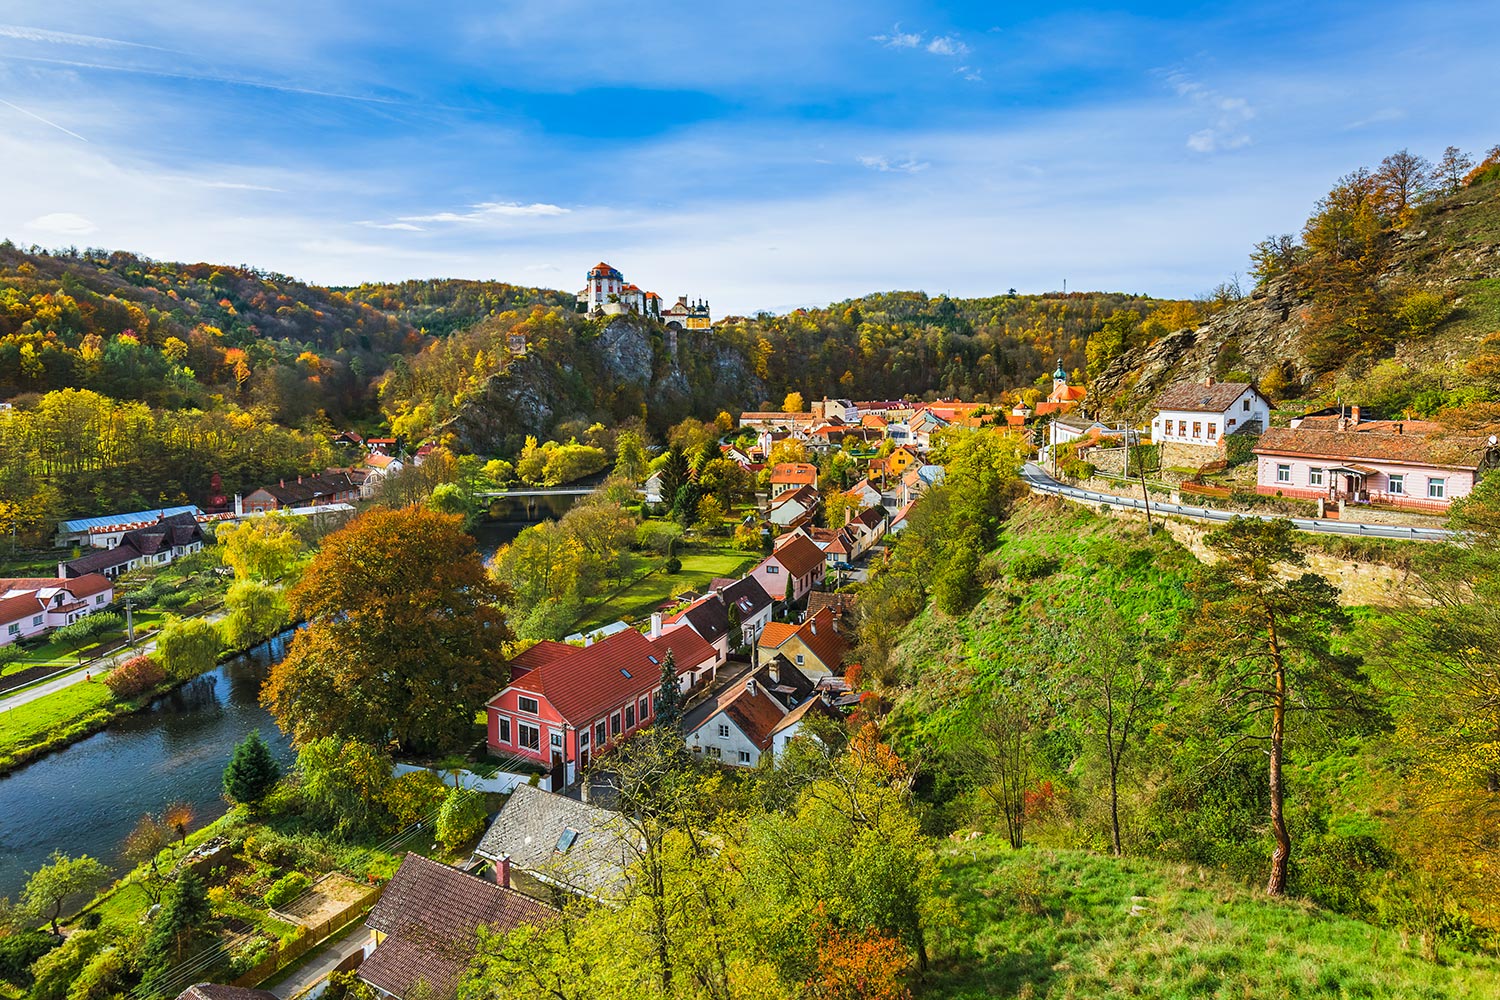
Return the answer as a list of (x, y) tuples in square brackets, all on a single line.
[(800, 555), (1195, 397), (1413, 449)]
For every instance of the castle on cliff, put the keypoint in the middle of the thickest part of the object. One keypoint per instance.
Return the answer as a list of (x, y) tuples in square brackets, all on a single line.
[(607, 293)]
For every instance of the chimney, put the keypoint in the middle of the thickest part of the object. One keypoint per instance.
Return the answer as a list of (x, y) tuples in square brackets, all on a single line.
[(1398, 429), (1208, 381), (1353, 416), (750, 687), (502, 871), (283, 484), (775, 671), (655, 625), (239, 505)]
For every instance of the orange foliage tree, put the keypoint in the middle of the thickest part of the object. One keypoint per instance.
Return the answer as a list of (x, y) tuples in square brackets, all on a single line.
[(861, 966), (404, 635)]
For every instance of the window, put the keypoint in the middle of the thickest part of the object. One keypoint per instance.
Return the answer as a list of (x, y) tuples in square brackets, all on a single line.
[(773, 569), (1396, 484), (37, 620), (99, 599), (1283, 473), (531, 736), (1197, 428), (502, 730), (1246, 407), (643, 708), (1315, 476), (723, 731), (557, 741), (1182, 428), (1231, 422), (583, 739), (629, 716), (799, 659), (744, 756), (1437, 489), (14, 629), (599, 734), (715, 752), (1213, 431), (527, 705), (614, 724)]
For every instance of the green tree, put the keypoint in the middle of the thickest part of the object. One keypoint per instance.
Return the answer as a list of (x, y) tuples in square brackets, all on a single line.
[(142, 848), (257, 611), (346, 782), (669, 697), (185, 919), (674, 473), (62, 879), (260, 548), (405, 635), (1267, 645), (631, 460), (461, 818), (450, 498), (251, 772), (187, 647)]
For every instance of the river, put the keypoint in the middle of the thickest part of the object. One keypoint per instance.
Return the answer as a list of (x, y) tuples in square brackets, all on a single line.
[(85, 798)]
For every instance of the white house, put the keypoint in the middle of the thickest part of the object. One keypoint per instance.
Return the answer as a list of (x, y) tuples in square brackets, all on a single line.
[(788, 508), (708, 616), (791, 724), (31, 606), (752, 606), (1202, 413), (739, 726)]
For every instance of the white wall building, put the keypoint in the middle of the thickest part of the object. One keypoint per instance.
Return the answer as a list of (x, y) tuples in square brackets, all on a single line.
[(1202, 413)]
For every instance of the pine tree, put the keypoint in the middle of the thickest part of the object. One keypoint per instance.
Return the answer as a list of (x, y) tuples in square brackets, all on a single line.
[(185, 916), (252, 771), (669, 699), (736, 626), (786, 605)]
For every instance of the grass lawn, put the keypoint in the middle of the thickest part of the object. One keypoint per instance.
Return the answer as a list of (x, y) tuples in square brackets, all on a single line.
[(58, 712), (1050, 924), (642, 597)]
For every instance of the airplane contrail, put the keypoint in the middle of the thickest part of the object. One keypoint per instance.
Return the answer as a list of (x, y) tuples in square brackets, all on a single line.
[(44, 121)]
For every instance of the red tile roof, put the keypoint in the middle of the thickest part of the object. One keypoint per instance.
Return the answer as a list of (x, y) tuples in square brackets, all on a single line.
[(14, 609), (1197, 397), (540, 655), (755, 714), (1411, 449), (817, 634), (594, 679)]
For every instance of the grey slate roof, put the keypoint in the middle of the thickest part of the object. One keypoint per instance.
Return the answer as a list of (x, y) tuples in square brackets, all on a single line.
[(430, 914), (749, 595), (532, 828), (709, 618), (214, 991)]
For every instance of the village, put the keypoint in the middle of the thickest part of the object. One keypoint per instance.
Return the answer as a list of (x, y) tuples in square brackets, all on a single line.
[(743, 666)]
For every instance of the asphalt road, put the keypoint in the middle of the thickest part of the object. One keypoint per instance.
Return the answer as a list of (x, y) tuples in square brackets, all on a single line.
[(1040, 482)]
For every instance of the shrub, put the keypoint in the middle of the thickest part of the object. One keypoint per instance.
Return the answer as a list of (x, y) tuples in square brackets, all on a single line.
[(1422, 311), (135, 676), (19, 951), (286, 889), (1033, 566), (673, 565), (461, 819), (249, 955), (414, 796), (174, 600), (91, 920)]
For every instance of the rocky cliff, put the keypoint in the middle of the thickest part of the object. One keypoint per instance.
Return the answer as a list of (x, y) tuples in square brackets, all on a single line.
[(611, 372), (1452, 249)]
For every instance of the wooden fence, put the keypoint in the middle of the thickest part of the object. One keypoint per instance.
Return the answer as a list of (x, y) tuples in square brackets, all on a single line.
[(307, 938)]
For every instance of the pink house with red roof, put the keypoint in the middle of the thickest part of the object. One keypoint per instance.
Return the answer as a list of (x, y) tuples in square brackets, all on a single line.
[(567, 704)]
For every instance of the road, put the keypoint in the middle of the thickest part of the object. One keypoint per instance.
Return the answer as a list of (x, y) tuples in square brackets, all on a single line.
[(68, 676), (1040, 482), (312, 970)]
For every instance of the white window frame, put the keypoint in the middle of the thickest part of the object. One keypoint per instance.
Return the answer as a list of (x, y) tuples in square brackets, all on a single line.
[(1437, 488), (556, 741), (521, 702), (1314, 475), (772, 569), (744, 756), (723, 730), (1396, 484), (502, 729), (529, 736), (1283, 473)]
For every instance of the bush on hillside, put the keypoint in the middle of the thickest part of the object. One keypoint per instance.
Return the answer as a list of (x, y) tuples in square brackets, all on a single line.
[(673, 565), (135, 676), (286, 889), (461, 819), (19, 951)]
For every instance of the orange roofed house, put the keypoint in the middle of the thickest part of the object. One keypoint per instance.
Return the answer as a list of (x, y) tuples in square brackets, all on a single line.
[(567, 704), (815, 647), (1064, 398), (792, 475)]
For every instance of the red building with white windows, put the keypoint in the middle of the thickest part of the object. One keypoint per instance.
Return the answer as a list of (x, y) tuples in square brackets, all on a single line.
[(567, 704)]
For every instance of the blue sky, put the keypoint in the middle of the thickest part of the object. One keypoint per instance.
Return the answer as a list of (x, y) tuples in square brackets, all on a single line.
[(762, 155)]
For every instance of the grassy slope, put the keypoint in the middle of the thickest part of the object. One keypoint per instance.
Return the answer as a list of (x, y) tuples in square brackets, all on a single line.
[(642, 597), (1054, 924), (1096, 558)]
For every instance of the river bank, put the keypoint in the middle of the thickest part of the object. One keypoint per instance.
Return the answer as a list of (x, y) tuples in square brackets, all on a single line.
[(85, 797)]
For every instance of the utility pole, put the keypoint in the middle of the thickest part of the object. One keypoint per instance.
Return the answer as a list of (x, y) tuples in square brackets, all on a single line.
[(130, 622)]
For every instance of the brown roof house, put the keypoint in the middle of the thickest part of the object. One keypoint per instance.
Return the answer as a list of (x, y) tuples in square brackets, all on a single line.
[(1193, 418), (427, 924), (214, 991), (1401, 463), (739, 727)]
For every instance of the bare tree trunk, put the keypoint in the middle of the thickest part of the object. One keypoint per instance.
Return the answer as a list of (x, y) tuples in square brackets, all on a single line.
[(1283, 851), (1114, 803)]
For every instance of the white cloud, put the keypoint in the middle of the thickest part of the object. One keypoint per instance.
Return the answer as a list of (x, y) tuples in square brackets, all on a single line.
[(947, 45), (1227, 116), (490, 211), (62, 224), (27, 34), (971, 73), (899, 39), (1381, 117), (908, 166), (405, 227)]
